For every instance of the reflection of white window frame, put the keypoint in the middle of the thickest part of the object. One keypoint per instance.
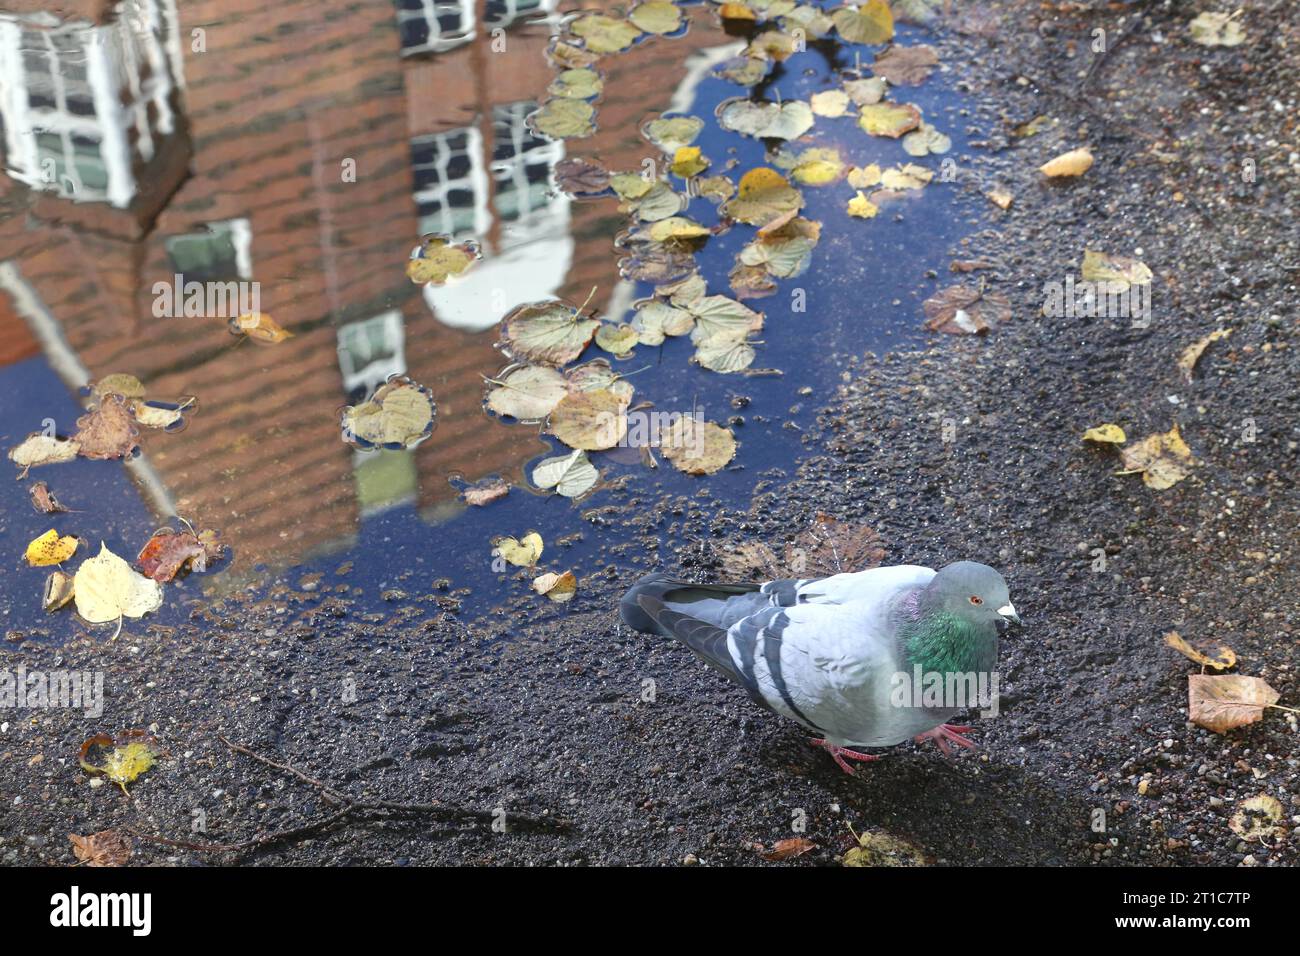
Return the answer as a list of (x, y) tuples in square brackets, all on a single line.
[(113, 56), (439, 41), (551, 216), (514, 10), (475, 181), (378, 369)]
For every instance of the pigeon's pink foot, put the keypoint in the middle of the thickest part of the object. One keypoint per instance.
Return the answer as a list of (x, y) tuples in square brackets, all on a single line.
[(839, 753), (944, 733)]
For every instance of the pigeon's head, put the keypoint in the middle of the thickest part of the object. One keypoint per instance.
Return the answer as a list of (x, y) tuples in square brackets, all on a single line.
[(975, 593)]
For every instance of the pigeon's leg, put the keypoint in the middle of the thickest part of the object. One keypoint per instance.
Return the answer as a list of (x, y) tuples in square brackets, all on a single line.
[(944, 733), (839, 753)]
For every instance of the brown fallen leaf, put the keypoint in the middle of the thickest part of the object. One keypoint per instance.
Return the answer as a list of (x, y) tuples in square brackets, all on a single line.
[(260, 327), (560, 588), (485, 492), (58, 590), (105, 848), (1192, 354), (830, 546), (906, 65), (969, 265), (750, 560), (107, 430), (787, 849), (43, 499), (581, 177), (164, 554), (965, 310), (1224, 658), (1220, 702)]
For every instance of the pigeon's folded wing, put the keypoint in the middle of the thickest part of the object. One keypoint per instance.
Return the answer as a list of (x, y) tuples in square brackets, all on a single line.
[(869, 585)]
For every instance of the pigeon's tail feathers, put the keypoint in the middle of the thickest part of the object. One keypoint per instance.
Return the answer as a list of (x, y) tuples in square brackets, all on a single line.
[(708, 641), (652, 585)]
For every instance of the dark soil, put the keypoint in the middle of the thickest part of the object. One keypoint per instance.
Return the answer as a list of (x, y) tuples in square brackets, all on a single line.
[(553, 722)]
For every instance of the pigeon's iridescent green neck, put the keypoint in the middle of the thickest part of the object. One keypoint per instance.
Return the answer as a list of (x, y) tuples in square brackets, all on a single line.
[(940, 641)]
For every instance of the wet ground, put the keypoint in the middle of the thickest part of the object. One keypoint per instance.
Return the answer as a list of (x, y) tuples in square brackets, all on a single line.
[(363, 671)]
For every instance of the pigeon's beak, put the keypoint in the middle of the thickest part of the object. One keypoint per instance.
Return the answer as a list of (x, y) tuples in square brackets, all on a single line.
[(1008, 613)]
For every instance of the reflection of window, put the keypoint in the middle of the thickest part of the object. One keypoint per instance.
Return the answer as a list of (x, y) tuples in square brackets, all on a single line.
[(82, 103), (434, 25), (221, 252), (450, 185), (370, 352), (521, 167), (502, 13)]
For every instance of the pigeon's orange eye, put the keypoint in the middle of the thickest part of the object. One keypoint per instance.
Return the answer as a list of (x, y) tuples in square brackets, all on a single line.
[(976, 600)]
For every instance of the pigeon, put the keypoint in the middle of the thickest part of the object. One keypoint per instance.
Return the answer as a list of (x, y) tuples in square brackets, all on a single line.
[(842, 655)]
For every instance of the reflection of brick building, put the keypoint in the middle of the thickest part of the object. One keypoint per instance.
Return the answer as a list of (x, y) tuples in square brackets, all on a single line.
[(270, 131)]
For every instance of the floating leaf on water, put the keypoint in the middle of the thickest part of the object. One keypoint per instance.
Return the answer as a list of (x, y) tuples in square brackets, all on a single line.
[(862, 207), (787, 120), (551, 333), (1106, 434), (58, 590), (1258, 819), (438, 259), (651, 261), (604, 34), (1162, 459), (889, 119), (1217, 29), (1220, 702), (568, 56), (965, 310), (812, 20), (909, 176), (744, 70), (819, 166), (829, 103), (656, 16), (563, 118), (399, 413), (119, 383), (870, 22), (906, 65), (661, 202), (50, 549), (866, 92), (616, 338), (695, 447), (570, 475), (864, 177), (684, 291), (590, 420), (677, 227), (130, 755), (526, 392), (581, 178), (1192, 354), (580, 84), (764, 195), (260, 327), (41, 449), (688, 162), (750, 282), (926, 140), (597, 375), (1074, 163), (485, 491), (105, 848), (558, 587), (724, 355), (107, 431), (1119, 272), (43, 500), (655, 320), (737, 11), (772, 45), (1223, 658), (717, 316), (784, 252), (715, 188), (522, 552), (108, 589), (168, 551), (631, 186), (671, 133)]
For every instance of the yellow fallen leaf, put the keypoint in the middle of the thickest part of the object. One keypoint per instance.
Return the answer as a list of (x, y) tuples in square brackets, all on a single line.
[(1001, 198), (1220, 702), (1111, 434), (862, 207), (1074, 163), (1192, 354), (1163, 459), (259, 326), (1224, 658), (106, 589), (688, 162), (1258, 818), (558, 587), (125, 761), (522, 552), (49, 549)]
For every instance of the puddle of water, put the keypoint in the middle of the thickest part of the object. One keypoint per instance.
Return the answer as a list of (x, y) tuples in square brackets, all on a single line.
[(311, 164)]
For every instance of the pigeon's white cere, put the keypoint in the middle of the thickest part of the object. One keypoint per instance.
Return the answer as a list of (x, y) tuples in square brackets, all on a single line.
[(1009, 610)]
